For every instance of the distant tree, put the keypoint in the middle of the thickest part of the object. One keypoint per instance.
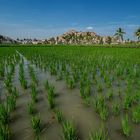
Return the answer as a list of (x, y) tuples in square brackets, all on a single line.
[(120, 33), (109, 40), (137, 33)]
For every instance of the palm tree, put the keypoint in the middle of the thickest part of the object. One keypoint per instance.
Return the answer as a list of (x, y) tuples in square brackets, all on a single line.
[(119, 33), (137, 33)]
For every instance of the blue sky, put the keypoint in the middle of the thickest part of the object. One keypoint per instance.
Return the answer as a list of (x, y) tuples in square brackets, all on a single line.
[(46, 18)]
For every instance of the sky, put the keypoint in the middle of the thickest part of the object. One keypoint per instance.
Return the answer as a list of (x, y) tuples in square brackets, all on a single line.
[(46, 18)]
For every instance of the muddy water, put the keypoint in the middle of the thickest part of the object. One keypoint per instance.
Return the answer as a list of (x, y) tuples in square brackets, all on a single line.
[(20, 124), (71, 105)]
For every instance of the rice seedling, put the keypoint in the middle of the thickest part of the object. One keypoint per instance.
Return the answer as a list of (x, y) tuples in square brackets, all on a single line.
[(46, 85), (15, 92), (116, 108), (1, 71), (5, 132), (51, 91), (33, 93), (100, 134), (109, 95), (70, 82), (11, 103), (69, 132), (32, 75), (88, 89), (8, 82), (30, 108), (104, 113), (59, 75), (36, 124), (99, 88), (58, 115), (51, 101), (127, 101), (12, 68), (22, 79), (100, 107), (4, 115), (125, 126), (136, 114)]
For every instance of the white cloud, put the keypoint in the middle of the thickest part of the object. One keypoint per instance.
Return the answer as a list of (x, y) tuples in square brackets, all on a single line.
[(89, 28)]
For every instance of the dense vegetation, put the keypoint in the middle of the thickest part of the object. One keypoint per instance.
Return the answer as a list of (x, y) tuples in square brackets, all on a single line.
[(106, 79)]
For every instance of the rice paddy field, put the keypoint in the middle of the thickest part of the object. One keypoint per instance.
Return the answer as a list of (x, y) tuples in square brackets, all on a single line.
[(69, 93)]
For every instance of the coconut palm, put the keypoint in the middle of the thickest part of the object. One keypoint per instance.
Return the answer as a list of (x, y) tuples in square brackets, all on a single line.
[(137, 33), (119, 33)]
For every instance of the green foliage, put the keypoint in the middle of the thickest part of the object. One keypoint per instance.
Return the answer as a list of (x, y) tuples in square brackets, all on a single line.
[(22, 79), (100, 107), (33, 93), (70, 82), (69, 132), (127, 101), (11, 103), (36, 124), (136, 114), (125, 126), (116, 108), (5, 132), (32, 75), (30, 108), (58, 115), (4, 115), (46, 85), (98, 135), (109, 95)]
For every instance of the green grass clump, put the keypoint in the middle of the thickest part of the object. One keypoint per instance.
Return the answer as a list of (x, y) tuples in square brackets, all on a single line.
[(1, 71), (36, 124), (110, 95), (5, 132), (33, 93), (125, 126), (101, 107), (136, 114), (58, 115), (127, 103), (32, 75), (98, 135), (30, 108), (69, 132), (46, 85), (116, 108), (51, 97), (22, 79), (4, 115), (70, 82), (11, 103)]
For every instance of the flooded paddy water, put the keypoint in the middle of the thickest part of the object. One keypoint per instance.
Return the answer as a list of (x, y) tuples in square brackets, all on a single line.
[(81, 113)]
